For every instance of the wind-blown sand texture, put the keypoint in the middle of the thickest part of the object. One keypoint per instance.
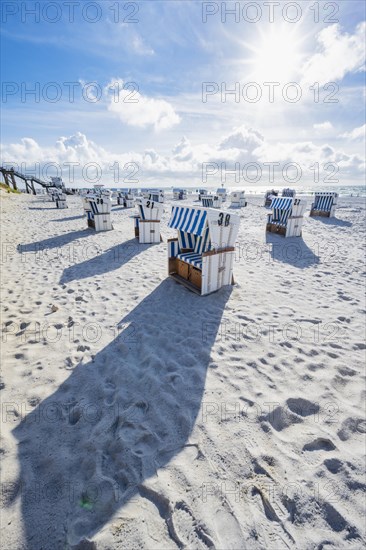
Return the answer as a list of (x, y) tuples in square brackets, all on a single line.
[(138, 415)]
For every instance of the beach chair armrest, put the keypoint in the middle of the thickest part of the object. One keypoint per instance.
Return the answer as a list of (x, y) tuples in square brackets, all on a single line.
[(218, 251)]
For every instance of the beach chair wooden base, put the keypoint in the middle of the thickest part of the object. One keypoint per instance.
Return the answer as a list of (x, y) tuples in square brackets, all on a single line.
[(186, 274), (185, 283), (149, 232), (274, 228), (319, 213)]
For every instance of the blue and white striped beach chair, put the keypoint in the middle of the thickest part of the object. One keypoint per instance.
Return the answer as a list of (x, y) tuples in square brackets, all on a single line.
[(98, 212), (324, 204), (147, 221), (155, 195), (211, 201), (179, 194), (287, 216), (202, 254), (125, 198)]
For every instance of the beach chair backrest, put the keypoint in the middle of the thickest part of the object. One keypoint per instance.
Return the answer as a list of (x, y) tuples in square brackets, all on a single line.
[(203, 243), (324, 201)]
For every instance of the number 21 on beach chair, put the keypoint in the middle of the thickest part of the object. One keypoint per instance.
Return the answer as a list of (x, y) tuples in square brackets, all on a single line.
[(201, 256), (324, 204), (287, 216), (147, 221)]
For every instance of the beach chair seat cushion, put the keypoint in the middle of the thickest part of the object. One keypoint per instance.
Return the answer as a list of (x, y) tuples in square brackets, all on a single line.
[(191, 258)]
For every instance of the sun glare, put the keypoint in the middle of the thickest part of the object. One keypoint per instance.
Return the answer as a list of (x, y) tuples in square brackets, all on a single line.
[(276, 56)]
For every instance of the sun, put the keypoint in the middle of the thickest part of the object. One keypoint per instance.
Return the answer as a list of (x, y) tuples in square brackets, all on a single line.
[(276, 56)]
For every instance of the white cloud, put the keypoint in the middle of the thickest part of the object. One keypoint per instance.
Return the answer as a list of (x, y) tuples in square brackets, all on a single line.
[(184, 163), (139, 46), (323, 126), (135, 109), (340, 53), (356, 134)]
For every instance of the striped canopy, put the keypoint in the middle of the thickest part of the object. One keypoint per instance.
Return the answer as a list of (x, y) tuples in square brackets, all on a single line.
[(282, 203), (324, 201), (189, 220)]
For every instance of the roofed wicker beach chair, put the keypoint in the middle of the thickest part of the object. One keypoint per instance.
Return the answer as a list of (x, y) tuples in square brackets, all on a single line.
[(211, 201), (147, 221), (324, 204), (238, 199), (99, 212), (287, 216), (223, 193), (155, 195), (201, 256), (125, 198), (179, 194), (201, 192)]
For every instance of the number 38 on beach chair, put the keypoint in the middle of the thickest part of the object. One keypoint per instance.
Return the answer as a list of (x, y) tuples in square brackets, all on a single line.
[(202, 255), (324, 204), (147, 221), (287, 216), (99, 212)]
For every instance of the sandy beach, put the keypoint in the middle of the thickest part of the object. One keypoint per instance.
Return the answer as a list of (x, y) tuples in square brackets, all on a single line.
[(136, 414)]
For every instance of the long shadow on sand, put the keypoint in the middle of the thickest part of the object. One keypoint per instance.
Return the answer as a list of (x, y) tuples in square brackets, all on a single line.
[(69, 219), (113, 258), (87, 449), (57, 241), (293, 251), (332, 221)]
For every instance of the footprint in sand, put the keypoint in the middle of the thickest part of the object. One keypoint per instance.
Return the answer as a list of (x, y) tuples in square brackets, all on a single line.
[(188, 530), (319, 444)]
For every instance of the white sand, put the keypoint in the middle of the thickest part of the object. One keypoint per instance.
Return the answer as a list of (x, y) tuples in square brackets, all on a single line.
[(139, 415)]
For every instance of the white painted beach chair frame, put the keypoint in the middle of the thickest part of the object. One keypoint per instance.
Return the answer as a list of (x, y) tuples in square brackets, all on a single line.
[(237, 199), (125, 198), (287, 216), (99, 213), (201, 257), (324, 204), (155, 195), (211, 201), (222, 192), (147, 221)]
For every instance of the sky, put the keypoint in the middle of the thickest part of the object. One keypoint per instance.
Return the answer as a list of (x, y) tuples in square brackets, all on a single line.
[(185, 92)]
